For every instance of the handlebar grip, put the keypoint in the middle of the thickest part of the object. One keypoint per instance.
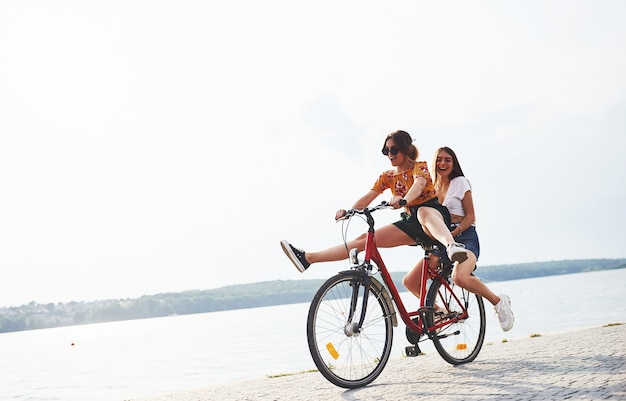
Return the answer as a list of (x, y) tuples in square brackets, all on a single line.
[(403, 202)]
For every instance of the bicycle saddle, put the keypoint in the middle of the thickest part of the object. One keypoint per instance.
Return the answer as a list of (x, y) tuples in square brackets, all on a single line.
[(429, 244), (435, 247)]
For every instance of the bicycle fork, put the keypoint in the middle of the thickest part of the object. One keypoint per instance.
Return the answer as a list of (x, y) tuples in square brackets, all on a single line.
[(352, 329)]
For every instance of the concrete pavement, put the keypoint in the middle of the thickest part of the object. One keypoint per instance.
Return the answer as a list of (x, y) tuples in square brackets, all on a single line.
[(585, 364)]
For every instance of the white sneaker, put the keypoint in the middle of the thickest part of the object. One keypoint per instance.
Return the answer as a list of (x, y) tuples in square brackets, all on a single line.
[(504, 312), (457, 252)]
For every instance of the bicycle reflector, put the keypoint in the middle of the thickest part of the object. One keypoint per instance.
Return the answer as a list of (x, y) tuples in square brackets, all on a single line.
[(333, 352), (459, 346)]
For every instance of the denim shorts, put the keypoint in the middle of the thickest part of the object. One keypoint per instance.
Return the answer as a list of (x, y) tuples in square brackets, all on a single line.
[(469, 238)]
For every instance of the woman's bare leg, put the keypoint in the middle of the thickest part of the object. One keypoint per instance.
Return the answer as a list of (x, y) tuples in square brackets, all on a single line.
[(462, 276), (413, 279), (434, 225), (388, 236)]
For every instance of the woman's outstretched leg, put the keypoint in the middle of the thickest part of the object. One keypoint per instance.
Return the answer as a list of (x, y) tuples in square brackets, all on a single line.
[(388, 236)]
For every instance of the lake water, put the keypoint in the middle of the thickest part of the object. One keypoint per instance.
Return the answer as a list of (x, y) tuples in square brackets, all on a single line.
[(139, 358)]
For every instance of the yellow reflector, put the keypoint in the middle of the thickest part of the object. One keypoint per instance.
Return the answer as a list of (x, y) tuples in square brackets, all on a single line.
[(458, 346), (332, 350)]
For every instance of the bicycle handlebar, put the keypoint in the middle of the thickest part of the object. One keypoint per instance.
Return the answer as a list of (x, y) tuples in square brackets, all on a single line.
[(382, 205), (352, 212)]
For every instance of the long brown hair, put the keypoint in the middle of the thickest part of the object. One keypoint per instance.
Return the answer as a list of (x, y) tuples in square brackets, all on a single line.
[(456, 166)]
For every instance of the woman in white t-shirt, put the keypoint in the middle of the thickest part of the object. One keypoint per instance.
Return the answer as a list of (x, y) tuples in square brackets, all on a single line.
[(455, 192)]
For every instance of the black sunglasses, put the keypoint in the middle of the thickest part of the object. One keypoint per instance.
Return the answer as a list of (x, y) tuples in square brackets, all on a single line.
[(393, 150)]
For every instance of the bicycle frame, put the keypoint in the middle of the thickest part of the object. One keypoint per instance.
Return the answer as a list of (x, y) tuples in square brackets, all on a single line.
[(428, 273)]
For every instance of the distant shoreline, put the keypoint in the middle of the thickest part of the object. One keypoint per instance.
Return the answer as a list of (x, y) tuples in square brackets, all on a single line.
[(270, 293)]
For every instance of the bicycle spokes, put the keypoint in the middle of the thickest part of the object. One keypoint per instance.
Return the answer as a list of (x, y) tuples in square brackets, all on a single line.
[(460, 330), (349, 330)]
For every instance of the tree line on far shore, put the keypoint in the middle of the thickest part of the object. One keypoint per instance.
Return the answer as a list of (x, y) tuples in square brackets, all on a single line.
[(39, 316)]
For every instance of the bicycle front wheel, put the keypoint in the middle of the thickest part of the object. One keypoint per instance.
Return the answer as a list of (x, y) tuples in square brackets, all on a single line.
[(461, 340), (350, 355)]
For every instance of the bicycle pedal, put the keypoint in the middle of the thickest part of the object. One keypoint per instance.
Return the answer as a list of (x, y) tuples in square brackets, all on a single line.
[(412, 350)]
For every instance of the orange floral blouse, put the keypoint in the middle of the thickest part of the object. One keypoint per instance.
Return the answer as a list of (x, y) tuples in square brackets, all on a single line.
[(400, 183)]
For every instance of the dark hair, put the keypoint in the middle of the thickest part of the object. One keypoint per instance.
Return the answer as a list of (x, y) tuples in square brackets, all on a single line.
[(456, 166), (404, 142)]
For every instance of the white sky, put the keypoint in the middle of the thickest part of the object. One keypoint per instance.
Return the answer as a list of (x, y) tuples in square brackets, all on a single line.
[(160, 146)]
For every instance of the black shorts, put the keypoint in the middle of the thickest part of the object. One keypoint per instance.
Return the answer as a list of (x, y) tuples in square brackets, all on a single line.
[(410, 226)]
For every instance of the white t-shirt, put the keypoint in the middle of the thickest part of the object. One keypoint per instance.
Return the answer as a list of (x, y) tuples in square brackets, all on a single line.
[(456, 192)]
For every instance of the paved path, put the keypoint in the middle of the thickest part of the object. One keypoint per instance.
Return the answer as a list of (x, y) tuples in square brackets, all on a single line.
[(587, 364)]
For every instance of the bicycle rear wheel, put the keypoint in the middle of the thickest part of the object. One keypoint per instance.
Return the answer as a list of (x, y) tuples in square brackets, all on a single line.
[(349, 356), (461, 340)]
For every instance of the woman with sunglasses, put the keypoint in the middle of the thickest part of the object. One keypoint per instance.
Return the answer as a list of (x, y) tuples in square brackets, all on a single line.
[(455, 192), (424, 215)]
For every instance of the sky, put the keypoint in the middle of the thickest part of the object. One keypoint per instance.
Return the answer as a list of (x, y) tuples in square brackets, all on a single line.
[(163, 146)]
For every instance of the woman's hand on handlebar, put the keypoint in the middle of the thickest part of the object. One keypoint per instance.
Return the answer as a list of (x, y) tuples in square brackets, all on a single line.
[(340, 214), (397, 202)]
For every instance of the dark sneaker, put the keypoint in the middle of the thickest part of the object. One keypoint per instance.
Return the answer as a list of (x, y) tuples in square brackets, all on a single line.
[(295, 255), (457, 252)]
